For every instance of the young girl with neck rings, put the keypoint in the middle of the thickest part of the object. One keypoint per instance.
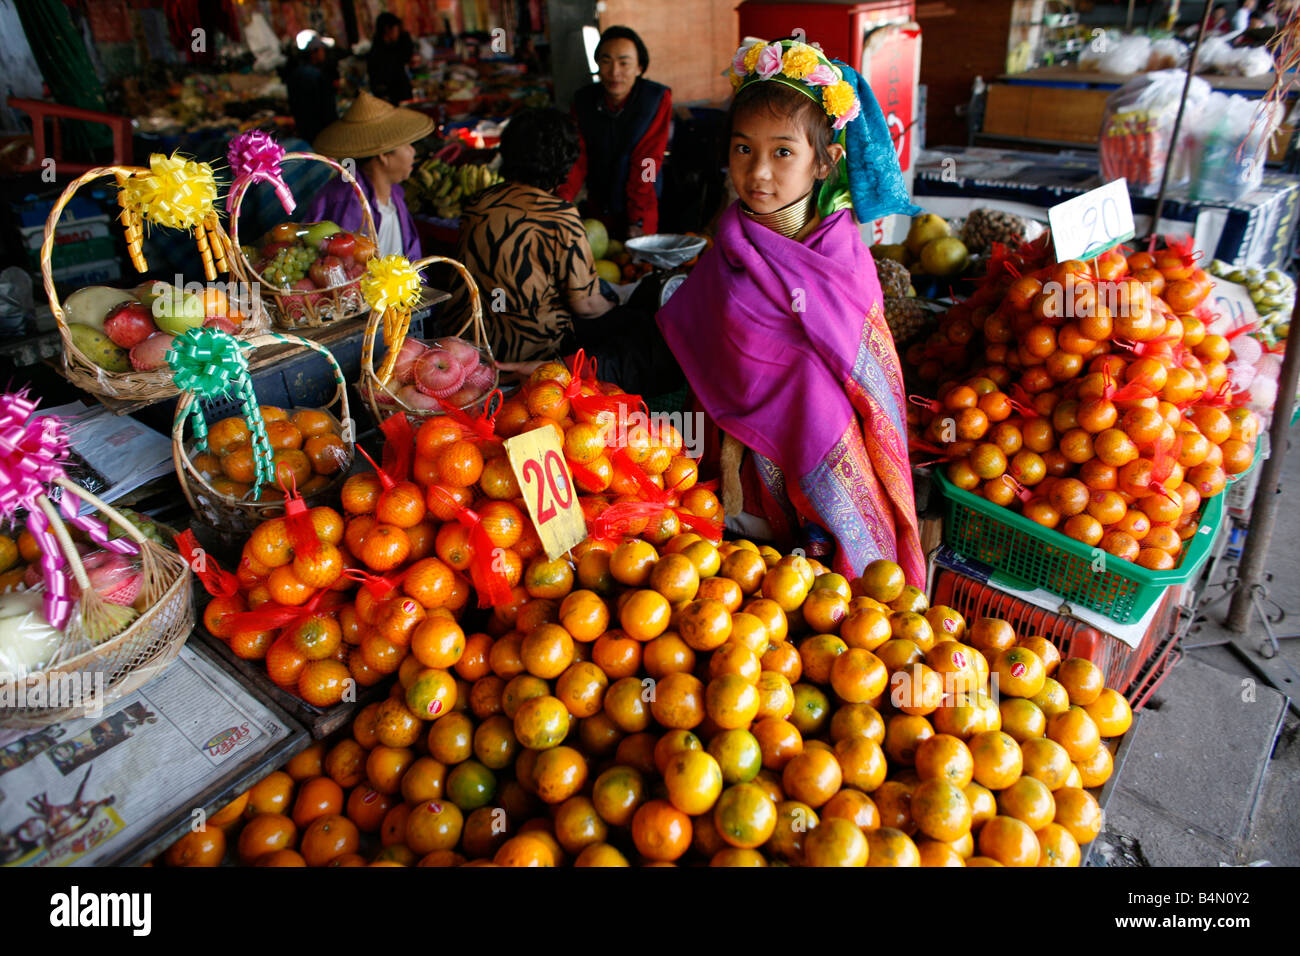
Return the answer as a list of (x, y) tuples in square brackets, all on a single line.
[(780, 328)]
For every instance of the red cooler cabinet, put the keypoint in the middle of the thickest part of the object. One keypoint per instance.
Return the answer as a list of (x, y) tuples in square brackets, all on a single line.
[(840, 28)]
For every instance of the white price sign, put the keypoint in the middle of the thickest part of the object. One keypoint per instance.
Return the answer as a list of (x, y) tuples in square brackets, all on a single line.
[(1232, 302), (1086, 226)]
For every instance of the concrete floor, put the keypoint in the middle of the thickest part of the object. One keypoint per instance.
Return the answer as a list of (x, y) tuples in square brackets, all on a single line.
[(1209, 780)]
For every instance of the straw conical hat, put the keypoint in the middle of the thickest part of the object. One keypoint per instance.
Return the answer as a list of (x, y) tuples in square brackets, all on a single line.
[(371, 126)]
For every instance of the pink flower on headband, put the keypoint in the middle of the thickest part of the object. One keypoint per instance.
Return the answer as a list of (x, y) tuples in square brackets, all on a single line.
[(769, 61), (822, 76), (738, 61), (848, 117)]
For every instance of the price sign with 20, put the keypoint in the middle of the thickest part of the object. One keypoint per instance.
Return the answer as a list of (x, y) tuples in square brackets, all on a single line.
[(547, 485)]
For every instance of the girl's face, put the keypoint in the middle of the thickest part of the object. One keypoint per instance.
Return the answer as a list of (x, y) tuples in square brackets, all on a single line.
[(772, 163)]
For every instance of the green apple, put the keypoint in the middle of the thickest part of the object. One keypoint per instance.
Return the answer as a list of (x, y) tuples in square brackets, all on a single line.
[(178, 312), (318, 233)]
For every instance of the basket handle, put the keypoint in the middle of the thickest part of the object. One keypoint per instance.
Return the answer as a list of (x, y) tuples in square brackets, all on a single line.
[(475, 319), (241, 189), (47, 245), (181, 460)]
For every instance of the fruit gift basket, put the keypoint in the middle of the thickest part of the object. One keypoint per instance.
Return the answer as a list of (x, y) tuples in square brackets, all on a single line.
[(114, 340), (236, 471), (451, 374), (307, 274), (70, 645)]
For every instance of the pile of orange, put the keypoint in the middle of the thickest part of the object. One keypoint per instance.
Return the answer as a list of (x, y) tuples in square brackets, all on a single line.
[(1097, 403), (307, 450), (701, 705), (612, 453)]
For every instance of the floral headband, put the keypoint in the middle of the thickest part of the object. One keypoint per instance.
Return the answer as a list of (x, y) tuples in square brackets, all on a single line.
[(802, 67)]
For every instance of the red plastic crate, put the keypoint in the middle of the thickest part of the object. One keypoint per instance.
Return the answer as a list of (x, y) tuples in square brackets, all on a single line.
[(1134, 672)]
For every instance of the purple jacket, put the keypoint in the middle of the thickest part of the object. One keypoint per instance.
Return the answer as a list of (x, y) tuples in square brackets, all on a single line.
[(337, 203)]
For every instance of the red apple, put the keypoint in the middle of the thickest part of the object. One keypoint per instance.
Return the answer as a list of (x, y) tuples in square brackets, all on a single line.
[(220, 322), (341, 244), (327, 272), (129, 324)]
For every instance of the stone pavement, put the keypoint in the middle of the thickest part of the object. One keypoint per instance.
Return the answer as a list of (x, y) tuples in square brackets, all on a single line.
[(1209, 780)]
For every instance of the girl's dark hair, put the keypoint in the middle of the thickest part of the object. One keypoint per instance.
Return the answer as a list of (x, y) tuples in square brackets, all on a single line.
[(538, 148), (779, 100), (383, 22), (626, 33)]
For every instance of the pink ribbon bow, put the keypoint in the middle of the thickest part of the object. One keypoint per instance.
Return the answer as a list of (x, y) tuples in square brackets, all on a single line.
[(255, 156), (31, 452)]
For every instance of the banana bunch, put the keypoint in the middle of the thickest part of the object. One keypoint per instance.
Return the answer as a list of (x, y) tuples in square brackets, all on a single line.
[(440, 189)]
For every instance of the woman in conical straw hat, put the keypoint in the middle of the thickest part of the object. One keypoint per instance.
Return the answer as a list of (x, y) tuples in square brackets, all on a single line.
[(780, 328), (378, 136)]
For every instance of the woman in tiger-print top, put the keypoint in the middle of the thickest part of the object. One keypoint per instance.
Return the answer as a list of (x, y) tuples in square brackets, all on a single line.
[(527, 248)]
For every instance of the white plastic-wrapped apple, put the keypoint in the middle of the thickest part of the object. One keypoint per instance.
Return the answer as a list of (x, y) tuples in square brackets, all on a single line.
[(438, 373), (404, 369), (27, 642), (462, 351), (415, 399)]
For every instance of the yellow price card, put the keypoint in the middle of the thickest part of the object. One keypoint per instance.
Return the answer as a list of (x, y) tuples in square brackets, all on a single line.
[(549, 492)]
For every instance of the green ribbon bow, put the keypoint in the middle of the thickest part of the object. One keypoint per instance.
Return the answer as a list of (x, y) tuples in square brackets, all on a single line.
[(210, 363)]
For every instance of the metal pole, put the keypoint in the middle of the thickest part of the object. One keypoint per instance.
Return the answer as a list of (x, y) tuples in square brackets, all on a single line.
[(1129, 24), (1178, 121), (1264, 512)]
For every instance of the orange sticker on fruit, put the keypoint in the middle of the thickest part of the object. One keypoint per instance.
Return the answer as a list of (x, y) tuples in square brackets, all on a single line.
[(548, 489)]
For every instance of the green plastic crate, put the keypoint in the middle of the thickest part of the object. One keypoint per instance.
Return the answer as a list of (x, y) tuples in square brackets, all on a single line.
[(1038, 557)]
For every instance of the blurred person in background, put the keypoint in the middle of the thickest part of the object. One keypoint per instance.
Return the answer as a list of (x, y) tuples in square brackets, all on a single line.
[(390, 54), (528, 252), (624, 121), (379, 136), (1241, 19), (311, 92)]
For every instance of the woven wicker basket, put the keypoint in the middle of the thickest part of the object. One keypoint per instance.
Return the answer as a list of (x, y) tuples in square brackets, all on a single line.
[(291, 309), (78, 368), (231, 519), (132, 658), (371, 387)]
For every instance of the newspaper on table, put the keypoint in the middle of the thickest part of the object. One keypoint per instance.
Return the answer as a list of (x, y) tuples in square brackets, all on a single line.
[(89, 790), (111, 455)]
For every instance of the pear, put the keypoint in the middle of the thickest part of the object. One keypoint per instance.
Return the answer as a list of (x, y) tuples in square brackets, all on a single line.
[(924, 230), (946, 256), (888, 250)]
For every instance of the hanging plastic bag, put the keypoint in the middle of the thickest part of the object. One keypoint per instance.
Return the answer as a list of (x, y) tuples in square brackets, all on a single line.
[(1138, 125), (1232, 150), (1125, 55)]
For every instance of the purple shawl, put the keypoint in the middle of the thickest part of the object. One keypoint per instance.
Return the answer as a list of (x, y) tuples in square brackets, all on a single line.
[(767, 331), (337, 203), (786, 347)]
